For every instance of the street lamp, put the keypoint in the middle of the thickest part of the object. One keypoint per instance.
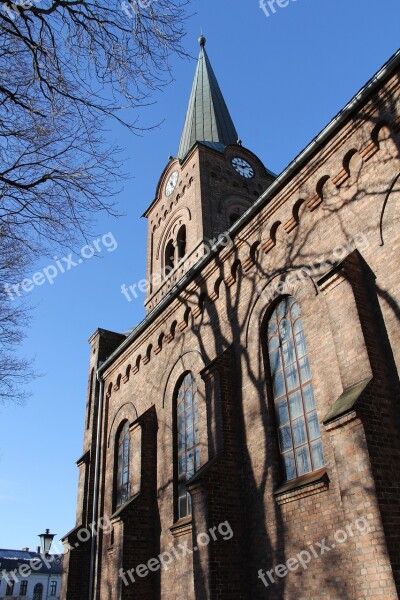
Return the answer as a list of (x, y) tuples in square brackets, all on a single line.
[(46, 541)]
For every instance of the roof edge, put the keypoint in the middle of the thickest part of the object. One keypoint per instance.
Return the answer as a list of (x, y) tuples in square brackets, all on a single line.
[(358, 99)]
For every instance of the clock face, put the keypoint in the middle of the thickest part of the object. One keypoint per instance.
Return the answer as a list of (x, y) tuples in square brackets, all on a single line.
[(171, 183), (242, 167)]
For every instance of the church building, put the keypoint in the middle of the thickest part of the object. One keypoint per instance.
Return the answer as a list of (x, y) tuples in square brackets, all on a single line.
[(242, 442)]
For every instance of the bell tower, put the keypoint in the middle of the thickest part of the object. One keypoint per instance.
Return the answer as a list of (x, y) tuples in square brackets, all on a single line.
[(204, 190)]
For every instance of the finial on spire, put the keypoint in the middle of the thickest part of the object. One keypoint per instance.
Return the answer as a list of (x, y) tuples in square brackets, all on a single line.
[(207, 117)]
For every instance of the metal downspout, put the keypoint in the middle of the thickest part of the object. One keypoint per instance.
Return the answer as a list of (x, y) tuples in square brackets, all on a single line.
[(93, 562)]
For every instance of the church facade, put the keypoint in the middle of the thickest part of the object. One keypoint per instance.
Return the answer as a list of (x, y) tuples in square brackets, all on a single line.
[(242, 442)]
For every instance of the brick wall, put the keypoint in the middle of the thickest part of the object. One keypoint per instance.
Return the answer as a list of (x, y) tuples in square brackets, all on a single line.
[(329, 237)]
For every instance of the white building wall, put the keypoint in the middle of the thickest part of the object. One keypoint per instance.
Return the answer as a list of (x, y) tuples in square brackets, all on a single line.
[(32, 580)]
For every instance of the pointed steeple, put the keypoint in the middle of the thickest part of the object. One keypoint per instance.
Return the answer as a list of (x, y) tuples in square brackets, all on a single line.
[(207, 118)]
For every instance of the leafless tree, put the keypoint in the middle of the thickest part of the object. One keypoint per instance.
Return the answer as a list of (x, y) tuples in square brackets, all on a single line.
[(66, 68), (14, 317)]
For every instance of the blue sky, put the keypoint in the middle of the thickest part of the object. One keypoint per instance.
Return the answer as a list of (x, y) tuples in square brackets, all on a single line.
[(283, 77)]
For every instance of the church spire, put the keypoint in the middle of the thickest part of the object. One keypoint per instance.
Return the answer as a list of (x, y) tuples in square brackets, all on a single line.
[(207, 118)]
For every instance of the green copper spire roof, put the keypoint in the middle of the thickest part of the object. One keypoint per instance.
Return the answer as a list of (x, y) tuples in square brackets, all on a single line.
[(207, 118)]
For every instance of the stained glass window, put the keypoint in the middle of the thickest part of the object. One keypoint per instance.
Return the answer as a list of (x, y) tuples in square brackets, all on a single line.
[(298, 427), (188, 448), (123, 483)]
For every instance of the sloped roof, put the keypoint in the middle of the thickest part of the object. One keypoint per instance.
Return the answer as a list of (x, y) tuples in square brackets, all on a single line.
[(207, 117), (11, 560)]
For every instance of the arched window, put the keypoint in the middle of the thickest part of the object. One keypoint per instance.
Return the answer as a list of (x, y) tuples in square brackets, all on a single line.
[(38, 592), (123, 483), (169, 257), (298, 427), (181, 242), (188, 447)]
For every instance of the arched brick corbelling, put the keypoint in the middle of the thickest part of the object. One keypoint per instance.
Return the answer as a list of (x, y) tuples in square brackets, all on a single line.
[(117, 384), (236, 269), (215, 293), (292, 223), (183, 212), (288, 282), (383, 136), (125, 378), (147, 357), (191, 360), (348, 158), (136, 367), (344, 173), (253, 253), (184, 322), (171, 331), (126, 412), (318, 197), (376, 136), (386, 209), (160, 342), (202, 300), (271, 242)]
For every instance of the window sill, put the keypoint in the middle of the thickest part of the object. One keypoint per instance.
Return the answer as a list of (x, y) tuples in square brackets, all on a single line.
[(307, 485), (182, 527), (120, 510)]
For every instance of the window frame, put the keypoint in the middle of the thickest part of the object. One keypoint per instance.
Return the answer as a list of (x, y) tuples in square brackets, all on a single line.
[(169, 257), (53, 588), (9, 589), (38, 591), (23, 588), (181, 479), (119, 496), (181, 243), (269, 378)]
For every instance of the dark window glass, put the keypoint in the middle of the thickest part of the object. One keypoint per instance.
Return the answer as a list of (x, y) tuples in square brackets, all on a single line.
[(10, 588), (181, 242), (23, 588), (53, 588), (38, 592), (298, 427), (169, 257), (123, 483), (188, 443)]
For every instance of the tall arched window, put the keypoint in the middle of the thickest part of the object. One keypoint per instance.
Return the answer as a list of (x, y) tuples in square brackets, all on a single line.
[(38, 592), (123, 483), (169, 257), (188, 448), (298, 427), (181, 242)]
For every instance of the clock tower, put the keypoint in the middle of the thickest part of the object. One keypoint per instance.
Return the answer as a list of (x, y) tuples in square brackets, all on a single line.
[(203, 191)]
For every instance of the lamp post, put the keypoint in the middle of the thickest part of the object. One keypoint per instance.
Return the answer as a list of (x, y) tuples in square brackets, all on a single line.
[(46, 540)]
